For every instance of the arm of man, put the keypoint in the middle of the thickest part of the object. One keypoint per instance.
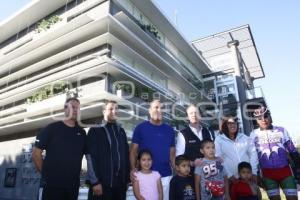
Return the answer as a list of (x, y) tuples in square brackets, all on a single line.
[(133, 156), (290, 147), (172, 157), (160, 189), (37, 158), (293, 153), (172, 190), (127, 157), (91, 175), (41, 142), (180, 144), (172, 149), (136, 140)]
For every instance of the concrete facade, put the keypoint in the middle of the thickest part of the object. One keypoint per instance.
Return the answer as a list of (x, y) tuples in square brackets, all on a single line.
[(96, 50)]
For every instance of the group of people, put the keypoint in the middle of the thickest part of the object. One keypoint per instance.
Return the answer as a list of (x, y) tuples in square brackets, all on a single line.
[(198, 165)]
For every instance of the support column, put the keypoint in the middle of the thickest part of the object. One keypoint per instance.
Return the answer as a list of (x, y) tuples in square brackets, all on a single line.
[(236, 64), (235, 56)]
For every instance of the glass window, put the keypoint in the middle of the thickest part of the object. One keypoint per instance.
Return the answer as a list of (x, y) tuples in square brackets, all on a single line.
[(127, 5), (227, 99), (224, 77), (226, 89)]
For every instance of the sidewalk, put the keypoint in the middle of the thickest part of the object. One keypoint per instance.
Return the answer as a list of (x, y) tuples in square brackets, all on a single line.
[(83, 194)]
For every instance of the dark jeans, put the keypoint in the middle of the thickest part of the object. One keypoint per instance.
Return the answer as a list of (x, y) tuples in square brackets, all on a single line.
[(110, 193), (60, 194)]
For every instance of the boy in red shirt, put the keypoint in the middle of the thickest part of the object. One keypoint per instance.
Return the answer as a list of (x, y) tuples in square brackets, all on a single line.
[(245, 188)]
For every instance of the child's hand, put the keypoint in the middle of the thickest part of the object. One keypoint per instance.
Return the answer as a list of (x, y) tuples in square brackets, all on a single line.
[(233, 179), (198, 162), (297, 175), (219, 159), (227, 197), (254, 178)]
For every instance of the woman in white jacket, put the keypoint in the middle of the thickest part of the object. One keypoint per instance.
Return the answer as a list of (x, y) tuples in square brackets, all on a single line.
[(234, 147)]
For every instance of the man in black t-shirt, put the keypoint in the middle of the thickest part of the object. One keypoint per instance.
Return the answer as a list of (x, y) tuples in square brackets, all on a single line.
[(64, 143), (182, 185)]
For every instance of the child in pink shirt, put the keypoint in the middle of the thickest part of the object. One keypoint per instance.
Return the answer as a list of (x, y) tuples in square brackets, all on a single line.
[(148, 185)]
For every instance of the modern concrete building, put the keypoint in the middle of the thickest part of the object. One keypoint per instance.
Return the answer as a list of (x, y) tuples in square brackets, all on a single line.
[(97, 50), (235, 66)]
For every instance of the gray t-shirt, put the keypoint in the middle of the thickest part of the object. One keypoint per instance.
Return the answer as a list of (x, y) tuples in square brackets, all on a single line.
[(212, 175)]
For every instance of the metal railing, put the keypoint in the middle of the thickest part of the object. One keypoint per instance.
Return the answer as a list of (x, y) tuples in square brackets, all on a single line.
[(49, 105)]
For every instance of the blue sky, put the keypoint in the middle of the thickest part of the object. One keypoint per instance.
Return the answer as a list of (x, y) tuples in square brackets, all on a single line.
[(275, 27), (276, 31)]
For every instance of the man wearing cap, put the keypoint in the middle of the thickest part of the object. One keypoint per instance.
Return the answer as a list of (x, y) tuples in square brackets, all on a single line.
[(272, 144)]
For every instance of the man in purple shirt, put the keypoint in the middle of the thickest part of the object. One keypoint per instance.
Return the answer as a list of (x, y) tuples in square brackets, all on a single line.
[(273, 144)]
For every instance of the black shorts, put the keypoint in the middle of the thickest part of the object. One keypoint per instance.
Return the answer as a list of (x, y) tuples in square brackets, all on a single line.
[(110, 193), (60, 193)]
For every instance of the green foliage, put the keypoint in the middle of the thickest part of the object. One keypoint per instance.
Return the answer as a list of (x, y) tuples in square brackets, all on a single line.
[(145, 93), (45, 24), (48, 91), (124, 87), (151, 29)]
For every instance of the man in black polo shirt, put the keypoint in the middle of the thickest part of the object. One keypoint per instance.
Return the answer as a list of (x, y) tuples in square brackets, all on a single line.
[(189, 139), (64, 142)]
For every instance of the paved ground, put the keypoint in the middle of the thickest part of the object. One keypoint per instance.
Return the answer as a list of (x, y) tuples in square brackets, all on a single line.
[(84, 191)]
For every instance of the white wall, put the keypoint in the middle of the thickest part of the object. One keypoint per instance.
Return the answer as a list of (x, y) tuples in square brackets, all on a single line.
[(17, 154)]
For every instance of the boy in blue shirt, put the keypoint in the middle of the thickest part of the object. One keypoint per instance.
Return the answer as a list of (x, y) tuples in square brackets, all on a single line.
[(182, 185)]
